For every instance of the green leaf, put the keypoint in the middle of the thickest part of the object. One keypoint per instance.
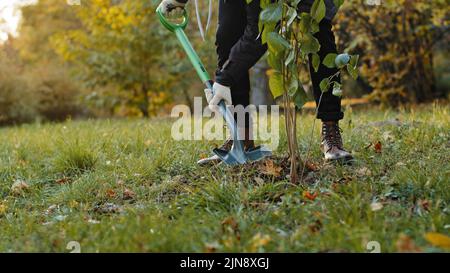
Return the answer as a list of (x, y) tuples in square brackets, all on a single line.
[(329, 60), (337, 90), (276, 84), (318, 10), (271, 14), (291, 15), (293, 85), (274, 61), (352, 67), (290, 57), (300, 97), (325, 85), (354, 61), (315, 61), (352, 71), (266, 30), (309, 44), (307, 24), (277, 43)]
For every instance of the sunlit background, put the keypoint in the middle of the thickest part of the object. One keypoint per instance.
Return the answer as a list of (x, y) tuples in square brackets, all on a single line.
[(10, 16)]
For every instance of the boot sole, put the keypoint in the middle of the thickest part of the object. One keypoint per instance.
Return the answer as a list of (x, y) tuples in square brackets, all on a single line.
[(348, 160)]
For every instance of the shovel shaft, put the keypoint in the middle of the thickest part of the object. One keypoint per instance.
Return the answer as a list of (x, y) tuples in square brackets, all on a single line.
[(192, 55), (204, 76)]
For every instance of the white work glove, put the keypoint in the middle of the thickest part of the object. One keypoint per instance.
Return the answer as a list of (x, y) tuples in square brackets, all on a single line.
[(221, 92), (171, 8)]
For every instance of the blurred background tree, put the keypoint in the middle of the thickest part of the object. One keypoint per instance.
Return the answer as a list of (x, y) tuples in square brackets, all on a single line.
[(41, 82), (120, 47), (400, 43), (123, 55)]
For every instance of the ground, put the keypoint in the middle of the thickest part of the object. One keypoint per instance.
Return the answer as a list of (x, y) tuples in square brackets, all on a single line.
[(125, 185)]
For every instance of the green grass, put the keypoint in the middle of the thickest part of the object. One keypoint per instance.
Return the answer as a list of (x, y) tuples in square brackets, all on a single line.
[(78, 171)]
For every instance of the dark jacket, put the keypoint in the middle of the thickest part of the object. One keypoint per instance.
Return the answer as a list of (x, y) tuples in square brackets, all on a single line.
[(305, 5)]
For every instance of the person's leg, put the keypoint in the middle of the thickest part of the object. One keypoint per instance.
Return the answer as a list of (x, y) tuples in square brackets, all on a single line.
[(330, 105), (243, 18), (232, 24), (232, 27), (329, 110)]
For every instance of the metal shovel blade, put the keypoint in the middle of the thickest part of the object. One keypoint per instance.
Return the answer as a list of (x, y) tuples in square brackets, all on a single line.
[(258, 153), (237, 155)]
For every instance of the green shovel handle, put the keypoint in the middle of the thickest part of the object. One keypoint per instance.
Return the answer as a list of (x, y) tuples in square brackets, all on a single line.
[(170, 25), (178, 29)]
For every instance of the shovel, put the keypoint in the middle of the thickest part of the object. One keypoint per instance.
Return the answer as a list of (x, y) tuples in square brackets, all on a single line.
[(237, 155)]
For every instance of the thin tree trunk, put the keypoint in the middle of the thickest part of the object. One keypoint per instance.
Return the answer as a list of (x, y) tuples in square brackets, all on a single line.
[(145, 103)]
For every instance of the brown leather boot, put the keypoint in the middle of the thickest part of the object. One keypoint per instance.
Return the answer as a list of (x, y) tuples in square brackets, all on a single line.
[(214, 159), (332, 146)]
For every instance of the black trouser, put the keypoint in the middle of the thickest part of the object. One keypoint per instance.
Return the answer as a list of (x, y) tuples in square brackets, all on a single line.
[(239, 48)]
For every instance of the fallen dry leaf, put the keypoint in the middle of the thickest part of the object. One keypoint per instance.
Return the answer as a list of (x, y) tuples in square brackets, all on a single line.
[(73, 204), (259, 181), (378, 147), (19, 187), (110, 193), (51, 209), (406, 244), (364, 171), (148, 142), (231, 224), (260, 240), (310, 196), (438, 239), (316, 226), (212, 247), (425, 204), (128, 194), (311, 166), (270, 168), (376, 206), (62, 181), (3, 209), (93, 221), (230, 221)]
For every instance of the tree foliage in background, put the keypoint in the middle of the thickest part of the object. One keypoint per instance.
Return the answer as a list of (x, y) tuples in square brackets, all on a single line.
[(119, 47), (16, 106), (35, 84), (397, 41)]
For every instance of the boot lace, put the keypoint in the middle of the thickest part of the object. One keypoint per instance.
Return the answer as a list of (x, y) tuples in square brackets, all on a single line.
[(227, 145), (332, 135)]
